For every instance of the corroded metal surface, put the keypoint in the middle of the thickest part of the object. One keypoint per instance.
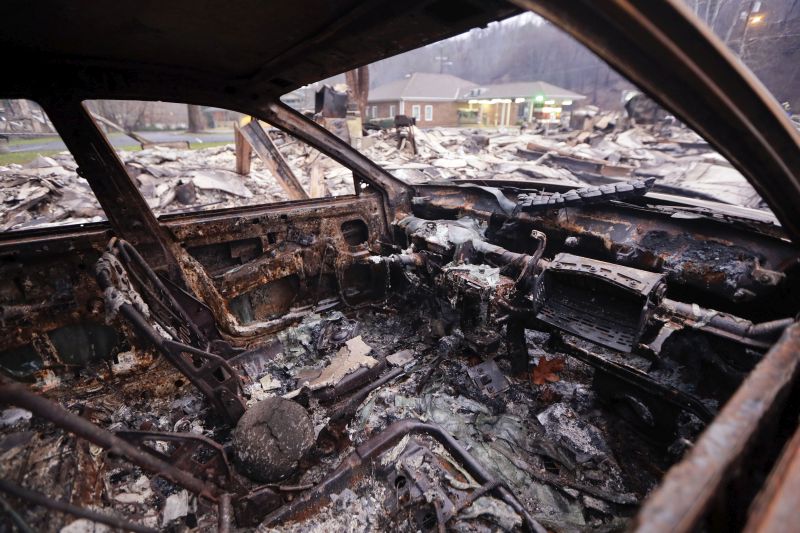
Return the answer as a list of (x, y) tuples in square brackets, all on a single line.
[(257, 271), (690, 488), (371, 450), (709, 255), (777, 504), (15, 394)]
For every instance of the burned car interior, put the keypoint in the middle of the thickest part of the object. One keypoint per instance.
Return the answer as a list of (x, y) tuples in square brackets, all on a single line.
[(469, 355)]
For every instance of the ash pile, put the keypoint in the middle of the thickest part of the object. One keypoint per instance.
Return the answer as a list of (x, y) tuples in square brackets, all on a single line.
[(598, 149), (48, 190), (531, 449)]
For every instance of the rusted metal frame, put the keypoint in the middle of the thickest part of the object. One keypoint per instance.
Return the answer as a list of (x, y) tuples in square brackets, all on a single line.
[(132, 261), (725, 215), (440, 519), (560, 483), (222, 395), (251, 508), (201, 368), (474, 495), (759, 336), (666, 50), (36, 317), (44, 309), (225, 391), (123, 204), (210, 373), (16, 394), (633, 228), (261, 271), (395, 193), (631, 225), (739, 339), (689, 489), (147, 458), (187, 446), (371, 450), (726, 322), (343, 411), (342, 261), (158, 308), (224, 514), (265, 149), (639, 380), (534, 266), (202, 317), (54, 238), (255, 221), (37, 498), (777, 504), (347, 407)]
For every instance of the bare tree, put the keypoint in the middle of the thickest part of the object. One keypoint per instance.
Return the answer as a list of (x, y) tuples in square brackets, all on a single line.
[(129, 114), (358, 87), (528, 48), (197, 122)]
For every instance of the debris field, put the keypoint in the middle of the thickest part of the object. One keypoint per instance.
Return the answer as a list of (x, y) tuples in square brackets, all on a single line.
[(48, 190), (493, 356)]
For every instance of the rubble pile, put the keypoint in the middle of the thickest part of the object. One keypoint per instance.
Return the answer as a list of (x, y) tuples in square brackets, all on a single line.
[(48, 190), (607, 150), (549, 444), (174, 180), (443, 381), (45, 191)]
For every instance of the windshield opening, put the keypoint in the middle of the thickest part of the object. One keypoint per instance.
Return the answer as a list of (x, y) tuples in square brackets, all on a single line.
[(522, 101)]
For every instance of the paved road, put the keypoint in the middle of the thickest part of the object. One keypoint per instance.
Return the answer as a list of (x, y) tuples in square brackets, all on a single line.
[(120, 140)]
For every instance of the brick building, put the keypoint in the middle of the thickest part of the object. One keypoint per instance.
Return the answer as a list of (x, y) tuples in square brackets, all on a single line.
[(446, 100), (434, 99), (507, 104)]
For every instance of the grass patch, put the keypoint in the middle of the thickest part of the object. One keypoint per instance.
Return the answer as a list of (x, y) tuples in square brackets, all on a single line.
[(200, 146), (34, 140), (21, 158)]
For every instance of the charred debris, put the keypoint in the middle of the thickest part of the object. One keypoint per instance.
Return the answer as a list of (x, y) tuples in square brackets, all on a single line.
[(600, 148), (472, 355)]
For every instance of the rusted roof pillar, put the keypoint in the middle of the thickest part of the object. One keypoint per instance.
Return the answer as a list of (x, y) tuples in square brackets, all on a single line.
[(123, 204)]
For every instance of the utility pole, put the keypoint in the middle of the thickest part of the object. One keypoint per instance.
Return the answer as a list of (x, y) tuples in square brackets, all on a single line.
[(443, 61)]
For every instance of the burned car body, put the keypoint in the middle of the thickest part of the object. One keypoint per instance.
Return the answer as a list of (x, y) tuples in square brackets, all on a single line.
[(381, 360)]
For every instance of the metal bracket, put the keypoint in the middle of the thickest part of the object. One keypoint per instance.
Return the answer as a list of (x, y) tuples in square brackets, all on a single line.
[(186, 349), (196, 454)]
